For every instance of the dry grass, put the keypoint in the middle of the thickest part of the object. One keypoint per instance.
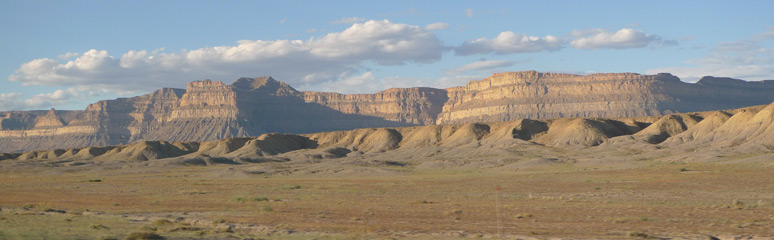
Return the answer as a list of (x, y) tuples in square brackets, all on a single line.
[(559, 202)]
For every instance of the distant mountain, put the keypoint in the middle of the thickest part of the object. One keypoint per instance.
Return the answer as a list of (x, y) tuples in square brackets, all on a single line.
[(695, 136), (210, 110)]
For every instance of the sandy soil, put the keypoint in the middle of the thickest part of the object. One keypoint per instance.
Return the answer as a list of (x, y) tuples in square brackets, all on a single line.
[(732, 197)]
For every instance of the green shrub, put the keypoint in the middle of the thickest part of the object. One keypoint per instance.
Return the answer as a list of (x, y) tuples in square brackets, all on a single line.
[(267, 209)]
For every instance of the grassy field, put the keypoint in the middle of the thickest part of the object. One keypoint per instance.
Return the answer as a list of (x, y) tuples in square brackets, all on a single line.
[(652, 200)]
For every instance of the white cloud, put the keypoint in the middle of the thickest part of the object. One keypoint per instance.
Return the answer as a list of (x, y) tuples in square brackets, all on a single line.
[(349, 20), (480, 66), (328, 59), (359, 80), (622, 39), (469, 13), (509, 42), (69, 55), (282, 21), (437, 26)]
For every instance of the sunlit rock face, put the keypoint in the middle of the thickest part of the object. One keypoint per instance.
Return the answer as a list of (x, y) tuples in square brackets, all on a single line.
[(210, 110)]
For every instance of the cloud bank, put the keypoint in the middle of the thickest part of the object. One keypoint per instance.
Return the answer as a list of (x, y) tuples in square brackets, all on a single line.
[(512, 43), (330, 58), (622, 39), (509, 42)]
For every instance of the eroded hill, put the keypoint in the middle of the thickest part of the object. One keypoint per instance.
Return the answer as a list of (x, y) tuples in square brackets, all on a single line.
[(209, 110), (742, 131)]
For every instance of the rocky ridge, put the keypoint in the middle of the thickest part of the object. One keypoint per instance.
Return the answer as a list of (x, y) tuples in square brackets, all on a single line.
[(210, 110), (745, 130)]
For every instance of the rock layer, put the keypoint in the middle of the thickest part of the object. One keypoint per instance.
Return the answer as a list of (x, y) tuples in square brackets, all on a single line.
[(746, 130), (211, 110), (534, 95)]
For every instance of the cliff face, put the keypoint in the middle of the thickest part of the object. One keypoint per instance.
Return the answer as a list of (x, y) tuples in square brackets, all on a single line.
[(534, 95), (410, 105), (210, 110), (205, 111)]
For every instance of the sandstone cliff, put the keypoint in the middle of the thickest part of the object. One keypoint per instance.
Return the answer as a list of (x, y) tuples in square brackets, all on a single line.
[(534, 95), (748, 130), (204, 111), (410, 105), (211, 110)]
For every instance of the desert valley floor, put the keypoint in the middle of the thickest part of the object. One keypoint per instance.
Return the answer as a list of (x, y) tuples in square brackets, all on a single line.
[(726, 199), (683, 176)]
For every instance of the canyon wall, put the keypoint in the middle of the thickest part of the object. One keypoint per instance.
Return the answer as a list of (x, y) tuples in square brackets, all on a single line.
[(410, 105), (534, 95), (210, 110)]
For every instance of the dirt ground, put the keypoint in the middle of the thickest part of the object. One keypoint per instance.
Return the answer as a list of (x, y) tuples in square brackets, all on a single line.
[(649, 199)]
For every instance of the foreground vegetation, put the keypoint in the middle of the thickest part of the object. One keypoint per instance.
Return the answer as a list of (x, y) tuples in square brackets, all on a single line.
[(651, 199)]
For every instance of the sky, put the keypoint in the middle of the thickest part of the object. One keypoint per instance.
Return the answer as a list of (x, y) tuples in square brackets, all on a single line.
[(68, 54)]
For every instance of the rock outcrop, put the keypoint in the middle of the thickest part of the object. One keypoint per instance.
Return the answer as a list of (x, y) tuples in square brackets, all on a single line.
[(534, 95), (212, 110), (410, 105), (204, 111), (745, 130)]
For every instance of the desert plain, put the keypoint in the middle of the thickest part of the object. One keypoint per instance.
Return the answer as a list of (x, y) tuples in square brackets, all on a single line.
[(675, 179)]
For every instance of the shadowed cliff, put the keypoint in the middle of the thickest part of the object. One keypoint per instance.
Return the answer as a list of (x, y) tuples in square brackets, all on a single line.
[(210, 110), (747, 130)]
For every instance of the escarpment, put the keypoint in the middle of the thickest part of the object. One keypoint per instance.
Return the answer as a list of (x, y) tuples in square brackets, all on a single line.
[(410, 105), (534, 95), (746, 130), (212, 110)]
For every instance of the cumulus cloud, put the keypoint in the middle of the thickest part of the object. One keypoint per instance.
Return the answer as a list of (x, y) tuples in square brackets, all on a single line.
[(622, 39), (359, 80), (350, 20), (69, 55), (745, 59), (437, 26), (509, 42), (326, 59), (480, 66)]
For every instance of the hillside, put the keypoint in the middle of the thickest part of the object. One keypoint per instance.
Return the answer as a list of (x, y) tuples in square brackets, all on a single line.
[(210, 110), (701, 175), (749, 130)]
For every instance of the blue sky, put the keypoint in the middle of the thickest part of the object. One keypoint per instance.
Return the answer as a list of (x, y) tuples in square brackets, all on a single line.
[(67, 54)]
